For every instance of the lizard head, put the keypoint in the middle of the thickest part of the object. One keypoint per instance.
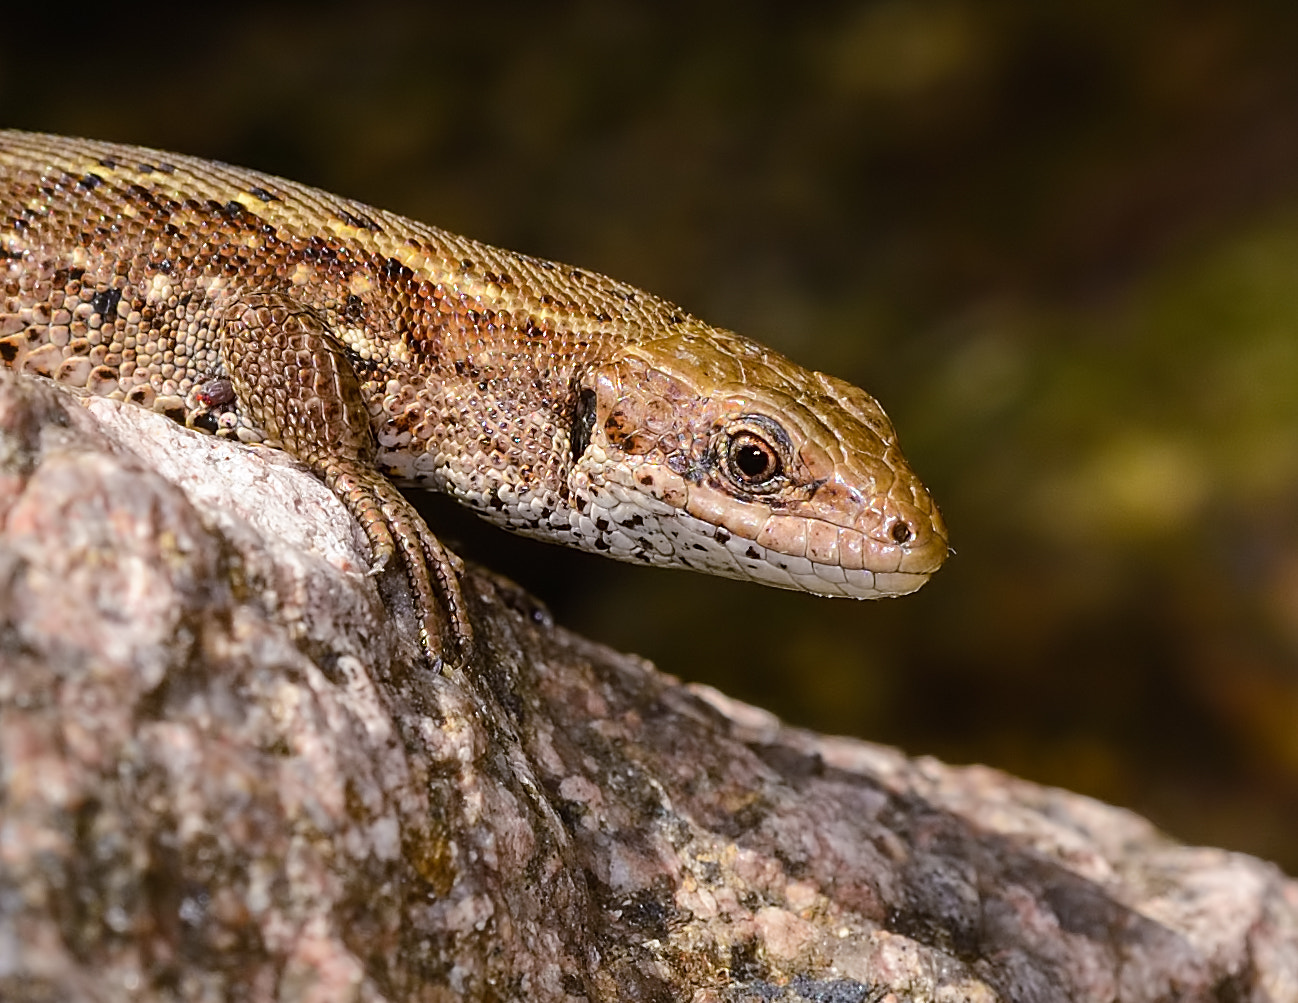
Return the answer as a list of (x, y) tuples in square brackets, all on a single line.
[(709, 451)]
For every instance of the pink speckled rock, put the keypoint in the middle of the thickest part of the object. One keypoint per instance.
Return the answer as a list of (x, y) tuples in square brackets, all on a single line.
[(221, 778)]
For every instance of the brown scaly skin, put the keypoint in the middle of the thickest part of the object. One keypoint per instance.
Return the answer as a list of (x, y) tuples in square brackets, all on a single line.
[(556, 402)]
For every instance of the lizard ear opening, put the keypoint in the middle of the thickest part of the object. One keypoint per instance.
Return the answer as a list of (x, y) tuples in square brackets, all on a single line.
[(583, 423)]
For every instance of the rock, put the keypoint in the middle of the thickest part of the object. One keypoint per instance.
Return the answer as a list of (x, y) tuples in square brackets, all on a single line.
[(224, 774)]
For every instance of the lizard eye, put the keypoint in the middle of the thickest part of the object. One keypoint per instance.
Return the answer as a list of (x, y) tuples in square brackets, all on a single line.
[(751, 461)]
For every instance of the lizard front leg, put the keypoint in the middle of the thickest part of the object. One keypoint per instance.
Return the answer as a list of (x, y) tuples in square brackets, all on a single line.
[(293, 380)]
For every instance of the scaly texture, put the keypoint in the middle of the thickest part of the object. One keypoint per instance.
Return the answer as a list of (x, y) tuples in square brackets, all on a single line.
[(554, 401)]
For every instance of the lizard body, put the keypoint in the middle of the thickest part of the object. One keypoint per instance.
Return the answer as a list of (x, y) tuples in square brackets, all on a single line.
[(554, 401)]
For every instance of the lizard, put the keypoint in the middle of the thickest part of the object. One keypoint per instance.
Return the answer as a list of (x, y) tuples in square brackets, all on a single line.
[(383, 352)]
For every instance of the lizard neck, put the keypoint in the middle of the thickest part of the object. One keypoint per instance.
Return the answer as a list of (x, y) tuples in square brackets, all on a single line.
[(490, 430)]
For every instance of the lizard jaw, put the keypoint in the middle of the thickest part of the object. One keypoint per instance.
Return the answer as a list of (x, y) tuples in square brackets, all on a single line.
[(654, 516)]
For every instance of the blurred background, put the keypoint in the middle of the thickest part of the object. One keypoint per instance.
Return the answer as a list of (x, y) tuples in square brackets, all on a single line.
[(1059, 242)]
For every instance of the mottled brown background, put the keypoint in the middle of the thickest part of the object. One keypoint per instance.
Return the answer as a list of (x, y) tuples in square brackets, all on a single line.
[(1058, 241)]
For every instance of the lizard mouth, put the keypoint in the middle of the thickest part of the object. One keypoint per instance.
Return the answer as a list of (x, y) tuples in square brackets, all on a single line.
[(771, 567), (884, 547), (811, 555), (683, 540)]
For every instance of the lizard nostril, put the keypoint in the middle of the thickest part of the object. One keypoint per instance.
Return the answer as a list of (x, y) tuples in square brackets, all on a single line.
[(901, 532)]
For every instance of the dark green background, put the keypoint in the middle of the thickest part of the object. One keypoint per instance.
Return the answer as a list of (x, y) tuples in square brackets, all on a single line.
[(1058, 241)]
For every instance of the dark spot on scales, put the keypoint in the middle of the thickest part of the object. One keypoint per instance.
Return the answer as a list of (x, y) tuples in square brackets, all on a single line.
[(142, 194), (752, 554), (261, 193), (583, 423), (105, 303), (358, 362), (360, 221), (90, 182)]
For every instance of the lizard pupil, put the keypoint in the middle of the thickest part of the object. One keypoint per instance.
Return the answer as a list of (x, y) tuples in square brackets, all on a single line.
[(752, 460)]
